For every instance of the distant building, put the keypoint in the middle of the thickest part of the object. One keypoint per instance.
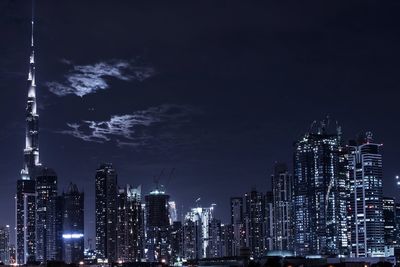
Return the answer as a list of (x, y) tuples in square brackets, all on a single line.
[(214, 249), (227, 239), (282, 208), (389, 224), (255, 223), (106, 213), (176, 242), (46, 197), (173, 214), (73, 225), (320, 193), (197, 232), (237, 223), (5, 244), (129, 225), (366, 199), (157, 226)]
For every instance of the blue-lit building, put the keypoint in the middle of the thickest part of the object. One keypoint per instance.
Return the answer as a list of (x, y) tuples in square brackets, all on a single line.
[(73, 225), (320, 191), (366, 198)]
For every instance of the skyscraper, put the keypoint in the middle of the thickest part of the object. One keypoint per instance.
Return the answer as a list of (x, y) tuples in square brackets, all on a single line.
[(25, 197), (46, 197), (129, 225), (214, 249), (157, 226), (282, 208), (366, 205), (176, 242), (320, 193), (5, 244), (106, 213), (255, 223), (73, 225), (389, 224), (197, 232), (237, 225)]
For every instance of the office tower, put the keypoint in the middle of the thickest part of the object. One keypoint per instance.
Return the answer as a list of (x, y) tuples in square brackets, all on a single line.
[(389, 224), (214, 249), (282, 207), (73, 225), (59, 221), (237, 225), (157, 226), (366, 205), (25, 221), (254, 223), (46, 196), (5, 244), (129, 225), (227, 239), (173, 214), (268, 222), (176, 242), (106, 213), (197, 232), (25, 197), (320, 191)]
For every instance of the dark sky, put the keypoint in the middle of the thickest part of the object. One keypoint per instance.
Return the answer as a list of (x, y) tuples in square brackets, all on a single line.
[(218, 90)]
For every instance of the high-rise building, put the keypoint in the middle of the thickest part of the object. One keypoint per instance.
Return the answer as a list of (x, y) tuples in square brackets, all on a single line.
[(59, 228), (366, 205), (214, 249), (157, 226), (25, 197), (389, 224), (255, 223), (129, 225), (237, 223), (320, 191), (282, 208), (176, 242), (46, 197), (197, 232), (227, 238), (73, 225), (5, 244), (106, 213), (268, 222)]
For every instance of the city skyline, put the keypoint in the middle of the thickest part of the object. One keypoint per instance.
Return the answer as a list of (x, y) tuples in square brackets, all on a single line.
[(197, 138)]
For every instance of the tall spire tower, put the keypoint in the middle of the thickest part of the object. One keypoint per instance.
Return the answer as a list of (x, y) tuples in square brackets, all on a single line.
[(25, 199), (31, 151)]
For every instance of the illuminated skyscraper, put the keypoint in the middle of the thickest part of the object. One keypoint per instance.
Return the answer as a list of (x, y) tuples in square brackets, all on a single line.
[(255, 223), (197, 232), (389, 220), (366, 204), (25, 197), (5, 244), (237, 223), (129, 225), (106, 213), (46, 197), (157, 226), (73, 225), (282, 208), (320, 193)]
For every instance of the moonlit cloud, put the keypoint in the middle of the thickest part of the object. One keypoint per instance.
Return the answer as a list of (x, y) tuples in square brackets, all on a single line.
[(137, 129), (87, 79)]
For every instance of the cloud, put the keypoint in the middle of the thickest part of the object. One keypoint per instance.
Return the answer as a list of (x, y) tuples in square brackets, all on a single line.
[(87, 79), (141, 128)]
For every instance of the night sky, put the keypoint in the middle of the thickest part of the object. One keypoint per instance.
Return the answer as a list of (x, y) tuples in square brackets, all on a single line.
[(217, 90)]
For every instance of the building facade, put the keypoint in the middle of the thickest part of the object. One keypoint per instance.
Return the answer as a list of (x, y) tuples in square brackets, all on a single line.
[(73, 225), (106, 213), (282, 208), (320, 191), (5, 244), (237, 223), (366, 198), (255, 223)]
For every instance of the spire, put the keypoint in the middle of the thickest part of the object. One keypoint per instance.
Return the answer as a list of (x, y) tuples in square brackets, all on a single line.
[(31, 151)]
